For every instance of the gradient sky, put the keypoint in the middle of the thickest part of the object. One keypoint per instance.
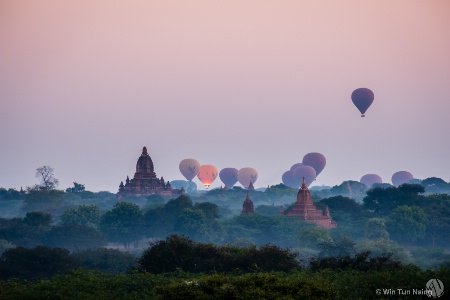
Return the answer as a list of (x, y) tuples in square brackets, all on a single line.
[(84, 85)]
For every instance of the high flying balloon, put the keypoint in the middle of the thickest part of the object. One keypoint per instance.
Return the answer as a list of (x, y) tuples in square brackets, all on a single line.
[(315, 160), (189, 168), (247, 175), (362, 98), (229, 177), (207, 174)]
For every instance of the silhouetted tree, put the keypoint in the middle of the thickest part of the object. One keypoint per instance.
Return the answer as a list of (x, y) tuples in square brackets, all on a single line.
[(77, 188), (36, 263), (407, 223), (123, 223), (46, 178), (83, 215)]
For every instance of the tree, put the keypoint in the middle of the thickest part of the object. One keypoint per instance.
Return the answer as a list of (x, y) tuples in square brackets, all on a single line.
[(376, 229), (75, 237), (88, 215), (104, 260), (77, 188), (433, 181), (384, 200), (210, 210), (313, 237), (17, 232), (177, 252), (385, 247), (51, 201), (38, 219), (36, 263), (343, 246), (192, 222), (123, 223), (407, 223), (340, 203), (46, 178), (437, 209)]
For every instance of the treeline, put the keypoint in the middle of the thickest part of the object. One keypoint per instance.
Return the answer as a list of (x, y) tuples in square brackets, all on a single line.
[(179, 268), (404, 221)]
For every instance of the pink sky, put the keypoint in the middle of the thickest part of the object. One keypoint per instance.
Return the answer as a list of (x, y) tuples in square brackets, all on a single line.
[(84, 85)]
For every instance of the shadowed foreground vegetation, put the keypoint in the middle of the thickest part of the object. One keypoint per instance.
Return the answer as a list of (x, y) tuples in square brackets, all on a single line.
[(179, 268)]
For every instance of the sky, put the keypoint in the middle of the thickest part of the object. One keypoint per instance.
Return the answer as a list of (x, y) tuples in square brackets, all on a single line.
[(84, 85)]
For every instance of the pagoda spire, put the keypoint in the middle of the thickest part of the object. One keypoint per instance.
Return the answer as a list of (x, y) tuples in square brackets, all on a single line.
[(144, 151), (304, 187), (247, 207)]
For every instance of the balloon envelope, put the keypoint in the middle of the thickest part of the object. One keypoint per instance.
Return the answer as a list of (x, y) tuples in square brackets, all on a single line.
[(247, 175), (229, 177), (362, 98), (288, 179), (189, 186), (207, 174), (370, 179), (306, 172), (189, 168), (315, 160), (295, 166), (401, 177)]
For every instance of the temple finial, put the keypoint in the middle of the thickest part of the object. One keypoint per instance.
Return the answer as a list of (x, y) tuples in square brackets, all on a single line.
[(144, 151), (304, 187)]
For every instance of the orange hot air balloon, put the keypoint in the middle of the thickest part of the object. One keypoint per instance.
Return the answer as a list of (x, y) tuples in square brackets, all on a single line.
[(207, 174), (189, 168)]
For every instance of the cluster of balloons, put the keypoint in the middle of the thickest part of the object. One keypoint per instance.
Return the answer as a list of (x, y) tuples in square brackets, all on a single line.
[(398, 178), (245, 176), (208, 173), (311, 166), (191, 167)]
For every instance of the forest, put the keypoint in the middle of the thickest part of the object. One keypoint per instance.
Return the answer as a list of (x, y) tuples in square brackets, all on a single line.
[(73, 243)]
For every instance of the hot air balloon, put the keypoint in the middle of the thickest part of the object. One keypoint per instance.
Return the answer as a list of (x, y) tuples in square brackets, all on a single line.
[(306, 172), (229, 177), (207, 174), (295, 166), (188, 186), (370, 179), (315, 160), (189, 168), (362, 98), (288, 179), (247, 175), (401, 177)]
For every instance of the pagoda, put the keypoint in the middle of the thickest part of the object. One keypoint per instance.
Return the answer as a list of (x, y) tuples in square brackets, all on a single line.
[(306, 210), (145, 182), (247, 207)]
